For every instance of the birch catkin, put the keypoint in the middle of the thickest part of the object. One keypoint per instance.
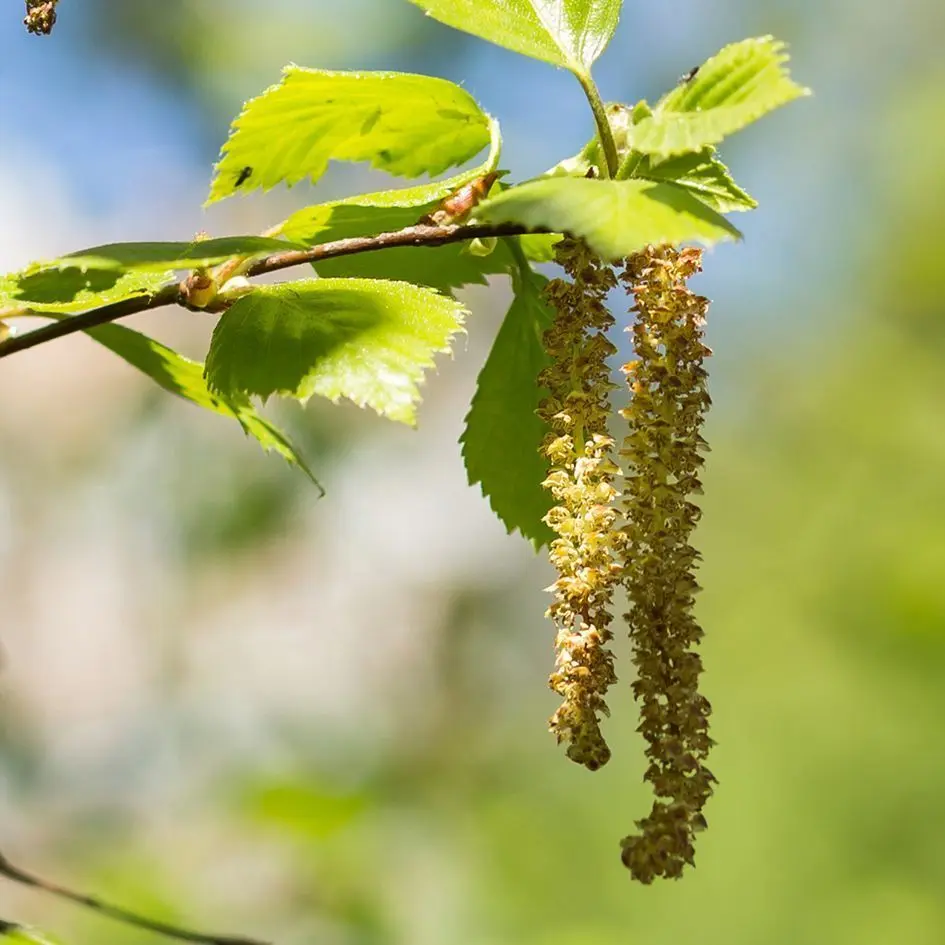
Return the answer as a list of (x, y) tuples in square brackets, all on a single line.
[(578, 449), (662, 452)]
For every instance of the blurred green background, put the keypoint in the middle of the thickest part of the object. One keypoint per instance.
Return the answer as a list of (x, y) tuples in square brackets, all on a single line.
[(235, 706)]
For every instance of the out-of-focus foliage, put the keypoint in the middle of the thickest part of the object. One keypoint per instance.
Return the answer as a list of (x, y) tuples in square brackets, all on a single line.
[(225, 54), (333, 732)]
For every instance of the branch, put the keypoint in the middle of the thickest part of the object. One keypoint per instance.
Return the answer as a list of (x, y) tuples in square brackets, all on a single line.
[(171, 294), (420, 235), (166, 295), (17, 875)]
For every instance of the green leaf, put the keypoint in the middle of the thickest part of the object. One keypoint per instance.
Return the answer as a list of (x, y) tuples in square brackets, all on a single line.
[(367, 340), (539, 247), (734, 88), (443, 267), (104, 274), (185, 378), (701, 173), (503, 431), (148, 256), (24, 935), (55, 290), (309, 224), (616, 218), (567, 33), (409, 125)]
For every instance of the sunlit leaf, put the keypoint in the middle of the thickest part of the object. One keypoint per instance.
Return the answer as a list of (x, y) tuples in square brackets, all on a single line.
[(566, 33), (117, 271), (503, 432), (443, 267), (539, 247), (702, 174), (734, 88), (14, 934), (74, 290), (146, 256), (409, 125), (616, 218), (309, 224), (367, 340)]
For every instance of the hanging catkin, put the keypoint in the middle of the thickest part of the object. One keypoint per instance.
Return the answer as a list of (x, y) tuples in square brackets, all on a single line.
[(578, 449), (662, 456)]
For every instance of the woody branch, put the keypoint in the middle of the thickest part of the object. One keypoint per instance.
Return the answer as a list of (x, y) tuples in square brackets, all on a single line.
[(175, 293)]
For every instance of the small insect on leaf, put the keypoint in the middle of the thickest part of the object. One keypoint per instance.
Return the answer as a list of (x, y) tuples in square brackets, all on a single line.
[(690, 75), (459, 204), (244, 176)]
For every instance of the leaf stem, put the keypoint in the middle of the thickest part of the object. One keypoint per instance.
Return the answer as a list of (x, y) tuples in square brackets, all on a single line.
[(604, 131)]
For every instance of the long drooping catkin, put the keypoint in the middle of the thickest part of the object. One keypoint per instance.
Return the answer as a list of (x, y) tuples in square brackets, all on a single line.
[(578, 449), (662, 453)]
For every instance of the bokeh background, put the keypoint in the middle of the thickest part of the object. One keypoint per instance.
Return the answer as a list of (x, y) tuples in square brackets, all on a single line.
[(231, 704)]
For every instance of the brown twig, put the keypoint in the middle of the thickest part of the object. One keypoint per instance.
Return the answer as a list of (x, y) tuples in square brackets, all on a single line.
[(170, 294), (420, 235), (18, 875), (166, 295)]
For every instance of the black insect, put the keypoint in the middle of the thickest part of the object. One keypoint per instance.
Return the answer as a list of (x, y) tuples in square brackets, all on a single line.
[(244, 176), (690, 75)]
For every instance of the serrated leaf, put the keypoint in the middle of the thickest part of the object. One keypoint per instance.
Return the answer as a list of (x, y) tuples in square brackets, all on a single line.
[(442, 267), (701, 173), (734, 88), (368, 340), (503, 431), (408, 125), (73, 290), (567, 33), (185, 378), (616, 218)]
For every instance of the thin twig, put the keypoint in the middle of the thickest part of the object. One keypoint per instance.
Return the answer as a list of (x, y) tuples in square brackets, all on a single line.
[(166, 295), (170, 293), (421, 235), (17, 875)]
